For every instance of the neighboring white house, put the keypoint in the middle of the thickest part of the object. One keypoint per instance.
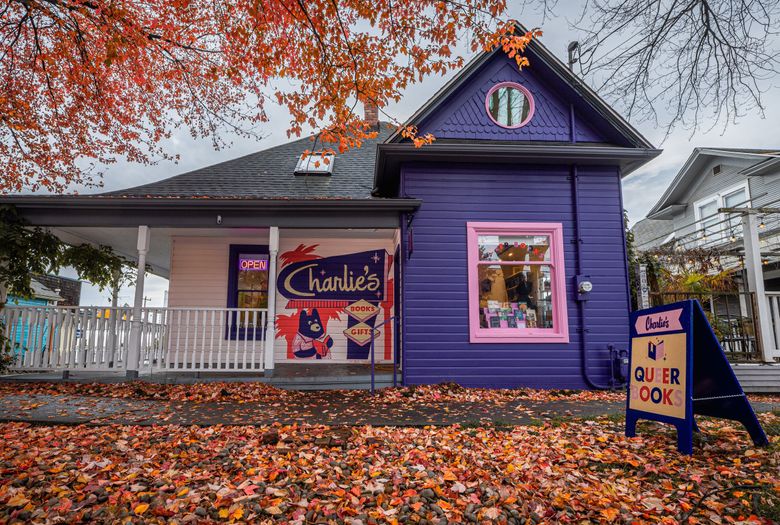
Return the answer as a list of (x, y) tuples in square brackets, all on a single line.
[(693, 214)]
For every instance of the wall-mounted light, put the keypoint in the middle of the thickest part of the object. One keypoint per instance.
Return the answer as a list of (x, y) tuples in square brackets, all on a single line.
[(219, 219), (762, 225)]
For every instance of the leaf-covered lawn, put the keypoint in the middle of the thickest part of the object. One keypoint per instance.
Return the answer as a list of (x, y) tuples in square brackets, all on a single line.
[(569, 472)]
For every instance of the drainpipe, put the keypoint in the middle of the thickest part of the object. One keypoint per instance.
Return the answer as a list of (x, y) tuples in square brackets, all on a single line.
[(581, 304)]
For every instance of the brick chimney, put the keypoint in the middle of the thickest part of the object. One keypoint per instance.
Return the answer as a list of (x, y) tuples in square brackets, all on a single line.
[(371, 113)]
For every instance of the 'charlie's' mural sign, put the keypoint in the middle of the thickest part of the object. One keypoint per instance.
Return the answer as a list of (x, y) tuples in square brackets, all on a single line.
[(350, 277), (678, 369), (347, 289)]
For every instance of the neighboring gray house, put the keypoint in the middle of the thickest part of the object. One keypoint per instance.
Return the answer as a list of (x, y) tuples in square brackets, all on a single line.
[(687, 214)]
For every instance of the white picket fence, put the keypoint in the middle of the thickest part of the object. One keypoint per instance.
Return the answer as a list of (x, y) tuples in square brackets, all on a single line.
[(97, 338)]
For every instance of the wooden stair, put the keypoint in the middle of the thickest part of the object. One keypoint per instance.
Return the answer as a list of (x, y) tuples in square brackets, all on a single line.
[(758, 378)]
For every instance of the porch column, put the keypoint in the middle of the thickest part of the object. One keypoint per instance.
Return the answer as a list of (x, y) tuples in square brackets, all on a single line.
[(755, 277), (270, 326), (133, 356)]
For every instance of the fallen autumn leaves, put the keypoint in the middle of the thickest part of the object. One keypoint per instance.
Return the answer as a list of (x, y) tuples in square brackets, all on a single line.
[(253, 392), (578, 471)]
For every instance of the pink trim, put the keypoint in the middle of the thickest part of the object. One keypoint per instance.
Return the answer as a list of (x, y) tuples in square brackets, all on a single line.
[(528, 96), (559, 334)]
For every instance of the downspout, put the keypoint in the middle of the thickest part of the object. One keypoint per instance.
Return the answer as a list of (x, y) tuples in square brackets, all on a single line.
[(578, 246), (581, 304), (401, 348)]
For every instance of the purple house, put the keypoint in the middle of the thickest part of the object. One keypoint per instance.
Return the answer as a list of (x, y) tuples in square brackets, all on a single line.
[(493, 257)]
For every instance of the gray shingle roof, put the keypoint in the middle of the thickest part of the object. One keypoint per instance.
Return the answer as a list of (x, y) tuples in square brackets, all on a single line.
[(269, 174), (649, 233)]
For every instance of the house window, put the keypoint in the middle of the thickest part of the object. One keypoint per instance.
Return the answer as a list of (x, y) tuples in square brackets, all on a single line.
[(247, 286), (509, 105), (248, 277), (735, 199), (709, 222), (517, 290), (716, 226)]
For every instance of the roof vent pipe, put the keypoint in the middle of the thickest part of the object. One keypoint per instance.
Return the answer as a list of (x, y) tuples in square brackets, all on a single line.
[(573, 49)]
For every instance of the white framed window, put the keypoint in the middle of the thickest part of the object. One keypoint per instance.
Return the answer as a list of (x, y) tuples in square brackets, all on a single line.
[(713, 226)]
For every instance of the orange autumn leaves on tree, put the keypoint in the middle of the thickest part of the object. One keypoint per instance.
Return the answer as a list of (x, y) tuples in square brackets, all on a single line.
[(89, 82)]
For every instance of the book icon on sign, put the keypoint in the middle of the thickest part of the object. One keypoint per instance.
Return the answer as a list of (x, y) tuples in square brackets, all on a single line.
[(656, 351)]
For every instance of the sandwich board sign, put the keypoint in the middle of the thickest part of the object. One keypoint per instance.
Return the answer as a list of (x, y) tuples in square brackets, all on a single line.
[(677, 369)]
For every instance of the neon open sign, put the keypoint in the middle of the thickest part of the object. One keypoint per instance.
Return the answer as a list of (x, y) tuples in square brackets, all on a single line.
[(252, 264)]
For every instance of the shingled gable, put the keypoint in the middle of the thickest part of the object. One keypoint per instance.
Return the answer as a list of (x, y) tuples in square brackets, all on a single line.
[(571, 121)]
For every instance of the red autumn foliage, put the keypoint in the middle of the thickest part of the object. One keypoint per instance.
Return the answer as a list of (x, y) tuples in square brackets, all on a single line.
[(88, 82)]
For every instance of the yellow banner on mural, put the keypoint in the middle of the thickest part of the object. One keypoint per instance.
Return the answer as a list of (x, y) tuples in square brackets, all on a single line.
[(658, 374)]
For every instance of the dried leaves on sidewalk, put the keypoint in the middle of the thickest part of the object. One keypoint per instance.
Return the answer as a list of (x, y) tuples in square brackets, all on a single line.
[(568, 473)]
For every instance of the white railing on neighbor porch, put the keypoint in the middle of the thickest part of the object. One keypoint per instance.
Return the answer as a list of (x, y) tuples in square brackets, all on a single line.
[(97, 338)]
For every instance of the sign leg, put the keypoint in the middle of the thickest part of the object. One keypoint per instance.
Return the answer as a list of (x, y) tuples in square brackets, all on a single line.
[(754, 429), (685, 438), (631, 419)]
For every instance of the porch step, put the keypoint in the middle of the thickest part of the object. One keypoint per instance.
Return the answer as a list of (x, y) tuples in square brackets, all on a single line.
[(758, 378), (314, 382), (333, 383)]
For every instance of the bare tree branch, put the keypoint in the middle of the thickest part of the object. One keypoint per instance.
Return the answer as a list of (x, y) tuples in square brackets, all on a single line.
[(695, 64)]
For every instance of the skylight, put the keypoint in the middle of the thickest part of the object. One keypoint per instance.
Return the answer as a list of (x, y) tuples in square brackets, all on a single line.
[(315, 164)]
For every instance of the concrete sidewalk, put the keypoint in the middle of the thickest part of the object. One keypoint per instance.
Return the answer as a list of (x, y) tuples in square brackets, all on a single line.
[(327, 408)]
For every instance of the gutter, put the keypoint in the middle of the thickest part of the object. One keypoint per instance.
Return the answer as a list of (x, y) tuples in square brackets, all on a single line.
[(112, 211), (149, 204), (391, 155)]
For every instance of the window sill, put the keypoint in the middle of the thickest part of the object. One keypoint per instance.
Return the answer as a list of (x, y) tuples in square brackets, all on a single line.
[(511, 336)]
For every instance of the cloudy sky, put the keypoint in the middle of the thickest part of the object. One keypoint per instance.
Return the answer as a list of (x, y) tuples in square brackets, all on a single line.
[(641, 189)]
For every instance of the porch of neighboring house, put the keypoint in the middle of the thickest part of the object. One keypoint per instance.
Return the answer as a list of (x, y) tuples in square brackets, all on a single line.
[(195, 337), (746, 320)]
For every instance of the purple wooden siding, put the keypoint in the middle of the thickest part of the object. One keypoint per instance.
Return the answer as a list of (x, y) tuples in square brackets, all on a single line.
[(435, 294), (463, 115)]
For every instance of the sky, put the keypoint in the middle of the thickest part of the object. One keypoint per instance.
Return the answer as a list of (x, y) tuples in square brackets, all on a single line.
[(641, 189)]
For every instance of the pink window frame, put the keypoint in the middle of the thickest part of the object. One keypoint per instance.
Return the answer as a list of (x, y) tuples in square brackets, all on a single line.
[(520, 87), (560, 332)]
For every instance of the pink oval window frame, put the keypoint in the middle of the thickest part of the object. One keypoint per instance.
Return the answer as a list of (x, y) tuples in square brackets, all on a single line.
[(526, 93)]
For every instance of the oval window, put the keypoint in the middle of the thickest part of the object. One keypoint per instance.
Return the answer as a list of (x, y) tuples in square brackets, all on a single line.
[(509, 105)]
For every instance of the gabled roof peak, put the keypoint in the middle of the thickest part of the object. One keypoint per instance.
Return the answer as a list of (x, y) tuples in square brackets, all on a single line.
[(668, 203), (544, 62)]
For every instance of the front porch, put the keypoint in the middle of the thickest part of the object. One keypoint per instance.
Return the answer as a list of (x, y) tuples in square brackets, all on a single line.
[(177, 346), (225, 317)]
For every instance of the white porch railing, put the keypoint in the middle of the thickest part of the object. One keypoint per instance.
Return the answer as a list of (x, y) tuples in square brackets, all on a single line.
[(217, 339), (97, 338)]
